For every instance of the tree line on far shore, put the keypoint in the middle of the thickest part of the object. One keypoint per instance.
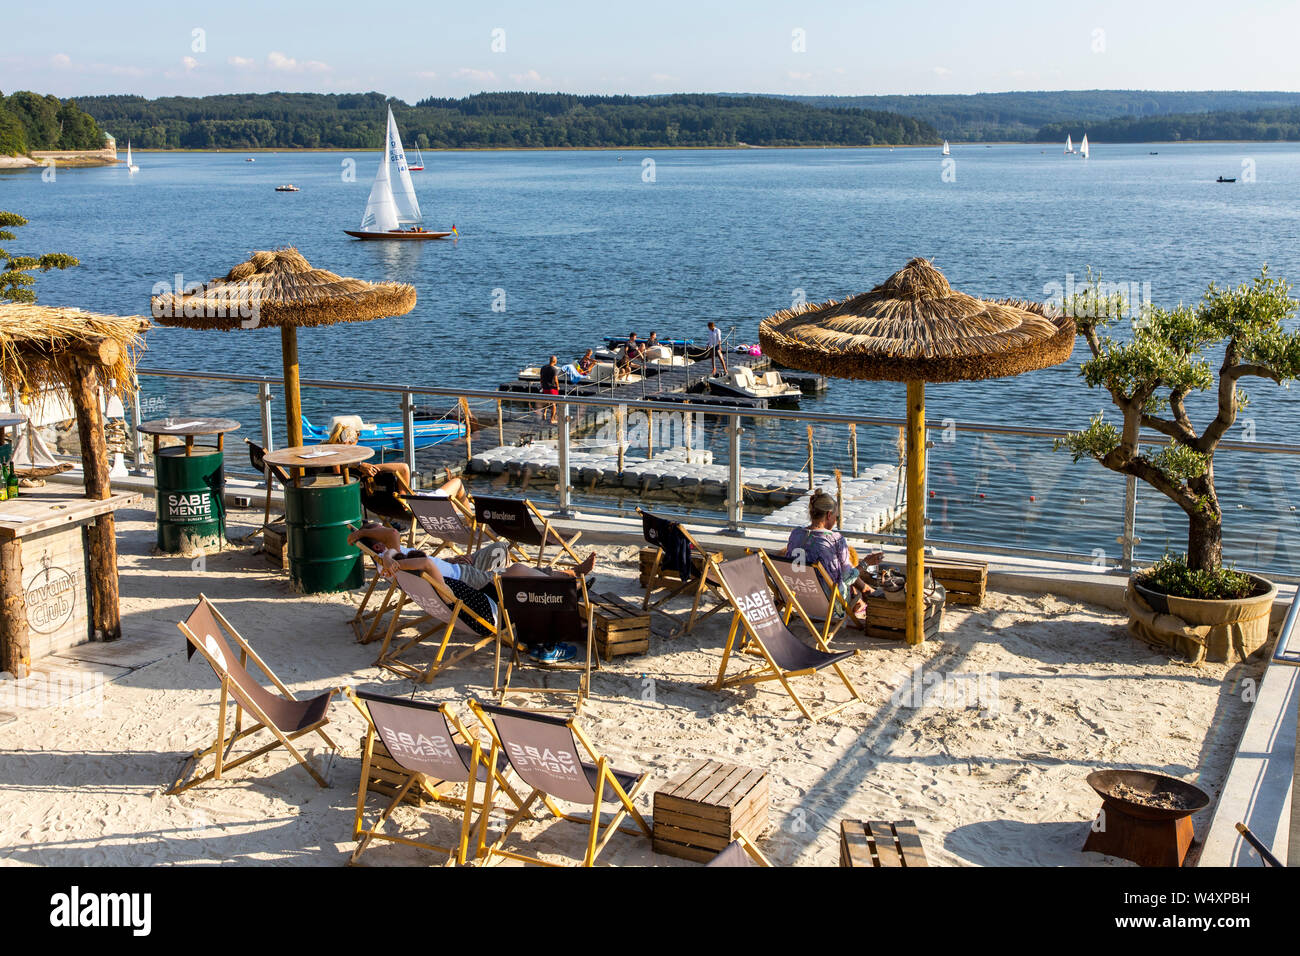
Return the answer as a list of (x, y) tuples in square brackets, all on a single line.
[(1273, 125), (31, 121)]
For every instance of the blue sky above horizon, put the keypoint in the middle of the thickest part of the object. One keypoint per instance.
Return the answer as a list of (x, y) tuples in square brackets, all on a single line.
[(441, 49)]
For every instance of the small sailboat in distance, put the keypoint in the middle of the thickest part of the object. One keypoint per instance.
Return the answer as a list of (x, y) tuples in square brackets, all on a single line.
[(1069, 144), (418, 165), (1083, 147), (389, 209), (131, 167), (946, 151)]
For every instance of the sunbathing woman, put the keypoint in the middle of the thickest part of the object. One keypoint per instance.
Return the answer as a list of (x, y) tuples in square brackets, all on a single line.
[(342, 434)]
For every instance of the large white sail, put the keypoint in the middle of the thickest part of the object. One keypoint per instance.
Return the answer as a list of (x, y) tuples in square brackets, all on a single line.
[(381, 210), (1083, 147), (408, 207)]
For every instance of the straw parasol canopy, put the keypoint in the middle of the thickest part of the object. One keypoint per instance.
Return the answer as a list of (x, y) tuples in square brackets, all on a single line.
[(281, 288), (41, 347), (915, 328)]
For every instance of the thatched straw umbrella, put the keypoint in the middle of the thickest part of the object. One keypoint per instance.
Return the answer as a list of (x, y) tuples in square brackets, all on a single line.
[(915, 328), (281, 288), (45, 347)]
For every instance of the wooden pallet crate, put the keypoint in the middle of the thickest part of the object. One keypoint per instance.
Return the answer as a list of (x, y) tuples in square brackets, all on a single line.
[(620, 626), (881, 844), (964, 580), (275, 544), (386, 777), (888, 619), (701, 809)]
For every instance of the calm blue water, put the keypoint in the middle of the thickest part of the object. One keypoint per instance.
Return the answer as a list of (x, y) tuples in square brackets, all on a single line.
[(582, 247)]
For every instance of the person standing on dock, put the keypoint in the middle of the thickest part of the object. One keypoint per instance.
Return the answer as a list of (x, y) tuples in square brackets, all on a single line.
[(715, 350), (551, 386)]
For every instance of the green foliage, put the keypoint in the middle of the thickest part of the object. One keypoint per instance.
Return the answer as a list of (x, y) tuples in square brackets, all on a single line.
[(1265, 125), (30, 121), (15, 282), (1097, 441), (506, 120), (1173, 576)]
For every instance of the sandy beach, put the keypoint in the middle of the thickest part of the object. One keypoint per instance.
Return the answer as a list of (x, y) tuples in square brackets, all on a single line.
[(1026, 696)]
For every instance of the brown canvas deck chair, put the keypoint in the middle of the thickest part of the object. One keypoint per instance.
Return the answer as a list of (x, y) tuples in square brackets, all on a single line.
[(553, 756), (809, 587), (270, 474), (784, 656), (367, 622), (515, 521), (436, 752), (383, 497), (285, 717), (442, 614), (446, 522), (544, 609), (700, 582), (740, 852)]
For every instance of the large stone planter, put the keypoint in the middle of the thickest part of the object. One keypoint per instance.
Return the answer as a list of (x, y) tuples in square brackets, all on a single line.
[(1219, 631)]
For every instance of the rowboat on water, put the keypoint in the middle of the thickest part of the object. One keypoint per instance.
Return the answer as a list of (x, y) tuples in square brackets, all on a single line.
[(388, 436)]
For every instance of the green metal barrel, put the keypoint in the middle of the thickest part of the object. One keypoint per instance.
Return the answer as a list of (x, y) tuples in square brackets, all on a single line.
[(317, 518), (191, 510)]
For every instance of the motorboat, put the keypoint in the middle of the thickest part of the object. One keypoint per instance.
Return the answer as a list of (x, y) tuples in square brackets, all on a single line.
[(390, 436), (741, 381)]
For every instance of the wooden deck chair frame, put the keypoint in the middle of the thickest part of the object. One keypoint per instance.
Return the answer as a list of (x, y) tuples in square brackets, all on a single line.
[(431, 789), (705, 583), (390, 659), (371, 620), (222, 745), (833, 622), (751, 849), (506, 635), (769, 670), (549, 535), (427, 540), (270, 474), (400, 490), (596, 840)]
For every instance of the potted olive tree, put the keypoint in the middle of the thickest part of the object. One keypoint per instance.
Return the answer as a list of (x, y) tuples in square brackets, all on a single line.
[(1191, 602)]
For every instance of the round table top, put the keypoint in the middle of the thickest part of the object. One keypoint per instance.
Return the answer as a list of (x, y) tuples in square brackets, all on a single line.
[(187, 427), (8, 418), (320, 456)]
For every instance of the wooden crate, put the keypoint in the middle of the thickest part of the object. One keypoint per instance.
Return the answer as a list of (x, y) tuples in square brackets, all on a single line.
[(701, 809), (620, 626), (386, 777), (963, 580), (275, 544), (888, 619), (881, 844)]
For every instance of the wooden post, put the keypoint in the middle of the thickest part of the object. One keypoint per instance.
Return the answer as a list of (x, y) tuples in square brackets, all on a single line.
[(101, 539), (464, 407), (650, 433), (915, 512), (811, 481), (292, 394), (15, 639), (839, 500), (620, 427), (501, 425), (853, 446)]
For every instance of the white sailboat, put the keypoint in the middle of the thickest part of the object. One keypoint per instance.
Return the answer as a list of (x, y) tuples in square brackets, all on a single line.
[(392, 205), (131, 167), (1069, 144), (945, 148), (418, 165), (1083, 147)]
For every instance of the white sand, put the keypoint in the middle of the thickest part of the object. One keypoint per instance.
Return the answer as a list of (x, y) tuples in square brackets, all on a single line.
[(84, 785)]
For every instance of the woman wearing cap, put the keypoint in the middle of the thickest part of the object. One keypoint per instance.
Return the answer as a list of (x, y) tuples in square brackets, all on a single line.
[(821, 544)]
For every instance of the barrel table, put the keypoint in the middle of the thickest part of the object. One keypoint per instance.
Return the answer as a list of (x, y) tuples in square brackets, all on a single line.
[(189, 483), (321, 502)]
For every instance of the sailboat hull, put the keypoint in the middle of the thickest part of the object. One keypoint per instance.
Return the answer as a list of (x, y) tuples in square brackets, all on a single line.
[(398, 234)]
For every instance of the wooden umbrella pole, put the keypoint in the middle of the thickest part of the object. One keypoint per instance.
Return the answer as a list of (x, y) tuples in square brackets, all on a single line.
[(101, 538), (292, 395), (853, 445), (811, 479), (915, 512)]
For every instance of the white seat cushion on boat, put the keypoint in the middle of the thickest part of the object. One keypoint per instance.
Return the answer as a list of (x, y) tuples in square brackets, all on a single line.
[(773, 379), (659, 352), (351, 421)]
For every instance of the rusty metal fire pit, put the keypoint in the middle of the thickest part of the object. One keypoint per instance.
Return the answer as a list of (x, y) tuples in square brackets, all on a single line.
[(1145, 817)]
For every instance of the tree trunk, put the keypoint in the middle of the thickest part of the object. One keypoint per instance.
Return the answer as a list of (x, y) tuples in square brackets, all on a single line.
[(1205, 525), (101, 538)]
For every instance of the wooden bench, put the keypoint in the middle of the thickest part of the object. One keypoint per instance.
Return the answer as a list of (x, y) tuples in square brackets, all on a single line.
[(621, 627), (702, 808), (880, 844)]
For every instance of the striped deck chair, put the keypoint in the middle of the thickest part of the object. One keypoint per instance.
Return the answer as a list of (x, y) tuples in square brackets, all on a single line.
[(515, 521), (544, 609), (441, 612), (740, 852), (702, 583), (447, 523), (809, 587), (437, 752), (553, 756), (745, 582), (285, 717)]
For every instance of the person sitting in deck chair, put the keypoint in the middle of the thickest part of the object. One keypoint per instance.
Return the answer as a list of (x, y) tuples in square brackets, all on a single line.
[(580, 371), (821, 544), (342, 434)]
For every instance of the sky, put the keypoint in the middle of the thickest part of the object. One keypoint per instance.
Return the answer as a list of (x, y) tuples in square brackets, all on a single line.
[(419, 49)]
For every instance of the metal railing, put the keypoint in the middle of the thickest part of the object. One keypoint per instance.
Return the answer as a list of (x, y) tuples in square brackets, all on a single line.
[(734, 520)]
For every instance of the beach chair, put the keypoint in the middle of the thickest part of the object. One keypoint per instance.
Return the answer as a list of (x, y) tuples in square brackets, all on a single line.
[(808, 586), (434, 750), (285, 717), (514, 521), (270, 474), (371, 620), (553, 756), (382, 497), (702, 581), (554, 609), (755, 618), (442, 613), (446, 521), (740, 852)]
